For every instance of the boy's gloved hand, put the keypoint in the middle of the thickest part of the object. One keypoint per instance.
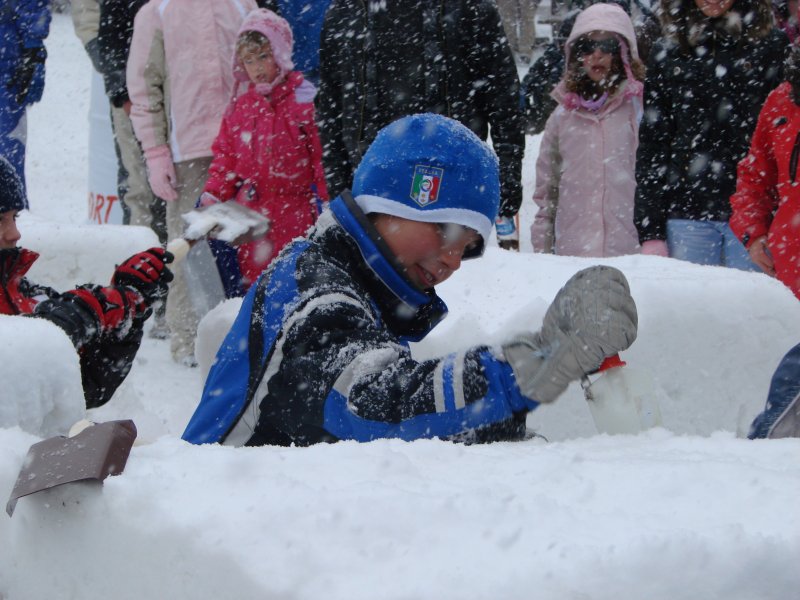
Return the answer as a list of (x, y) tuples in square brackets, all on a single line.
[(593, 316), (20, 82), (146, 273), (161, 172), (88, 312)]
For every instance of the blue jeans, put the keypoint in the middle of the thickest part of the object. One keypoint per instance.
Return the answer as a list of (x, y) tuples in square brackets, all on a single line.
[(707, 243)]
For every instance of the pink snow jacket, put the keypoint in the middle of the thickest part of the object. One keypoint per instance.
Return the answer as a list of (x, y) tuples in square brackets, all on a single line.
[(178, 74), (268, 157), (267, 154), (585, 172)]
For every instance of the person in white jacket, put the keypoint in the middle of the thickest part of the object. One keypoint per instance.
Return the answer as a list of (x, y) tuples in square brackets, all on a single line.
[(179, 82), (585, 180)]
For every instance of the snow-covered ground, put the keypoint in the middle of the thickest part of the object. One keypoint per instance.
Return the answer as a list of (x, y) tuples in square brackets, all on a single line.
[(687, 511)]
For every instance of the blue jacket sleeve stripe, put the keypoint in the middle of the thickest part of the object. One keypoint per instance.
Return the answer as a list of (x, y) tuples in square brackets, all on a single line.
[(502, 399), (447, 384)]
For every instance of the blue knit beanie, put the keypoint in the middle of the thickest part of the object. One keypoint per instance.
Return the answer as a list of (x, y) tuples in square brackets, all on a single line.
[(12, 195), (433, 169)]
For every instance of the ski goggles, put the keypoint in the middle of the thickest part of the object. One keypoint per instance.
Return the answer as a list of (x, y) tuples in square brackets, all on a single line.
[(586, 46)]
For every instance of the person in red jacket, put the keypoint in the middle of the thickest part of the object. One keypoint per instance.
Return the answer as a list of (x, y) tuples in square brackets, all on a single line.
[(104, 322), (766, 205), (267, 154)]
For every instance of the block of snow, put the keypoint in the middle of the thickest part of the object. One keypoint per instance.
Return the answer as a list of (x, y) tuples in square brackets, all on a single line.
[(76, 254), (42, 391), (211, 330)]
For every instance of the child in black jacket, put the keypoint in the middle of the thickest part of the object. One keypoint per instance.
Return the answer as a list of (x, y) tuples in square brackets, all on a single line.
[(104, 323)]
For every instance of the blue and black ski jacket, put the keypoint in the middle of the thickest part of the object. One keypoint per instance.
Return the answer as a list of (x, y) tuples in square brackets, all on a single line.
[(319, 352)]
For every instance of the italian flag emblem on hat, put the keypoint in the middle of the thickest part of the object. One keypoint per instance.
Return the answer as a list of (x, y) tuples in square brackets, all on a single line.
[(425, 185)]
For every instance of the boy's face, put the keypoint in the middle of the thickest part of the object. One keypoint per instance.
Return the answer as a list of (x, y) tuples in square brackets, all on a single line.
[(428, 252), (9, 234), (259, 63)]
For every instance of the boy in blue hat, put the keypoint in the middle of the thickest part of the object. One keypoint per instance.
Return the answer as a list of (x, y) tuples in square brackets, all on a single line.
[(319, 351), (104, 322)]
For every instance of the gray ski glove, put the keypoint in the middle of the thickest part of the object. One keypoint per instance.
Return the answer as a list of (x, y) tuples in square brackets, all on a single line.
[(593, 316)]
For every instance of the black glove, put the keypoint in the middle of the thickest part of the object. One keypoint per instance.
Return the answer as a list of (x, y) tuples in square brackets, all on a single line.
[(147, 273), (20, 83), (91, 312), (78, 320)]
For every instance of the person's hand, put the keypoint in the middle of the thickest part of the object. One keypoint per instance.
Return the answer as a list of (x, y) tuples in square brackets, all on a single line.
[(126, 106), (146, 273), (592, 317), (761, 256), (655, 248), (161, 173), (90, 312), (21, 79)]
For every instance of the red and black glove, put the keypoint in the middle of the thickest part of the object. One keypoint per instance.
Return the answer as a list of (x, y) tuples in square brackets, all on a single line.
[(116, 308), (89, 313), (146, 273)]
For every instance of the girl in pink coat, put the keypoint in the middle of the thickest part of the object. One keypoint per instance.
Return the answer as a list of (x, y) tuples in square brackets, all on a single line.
[(267, 154), (585, 181)]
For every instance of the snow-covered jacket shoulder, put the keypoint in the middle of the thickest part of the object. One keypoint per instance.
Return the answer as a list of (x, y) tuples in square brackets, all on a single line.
[(178, 72), (585, 182), (767, 198), (270, 142), (331, 358)]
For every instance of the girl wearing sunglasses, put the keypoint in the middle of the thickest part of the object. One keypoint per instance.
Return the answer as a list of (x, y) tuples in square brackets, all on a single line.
[(585, 181)]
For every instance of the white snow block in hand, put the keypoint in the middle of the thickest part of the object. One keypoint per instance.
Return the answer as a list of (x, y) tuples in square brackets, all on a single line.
[(39, 368), (622, 401)]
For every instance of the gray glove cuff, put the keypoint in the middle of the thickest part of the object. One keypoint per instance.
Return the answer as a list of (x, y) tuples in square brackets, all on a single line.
[(526, 358)]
